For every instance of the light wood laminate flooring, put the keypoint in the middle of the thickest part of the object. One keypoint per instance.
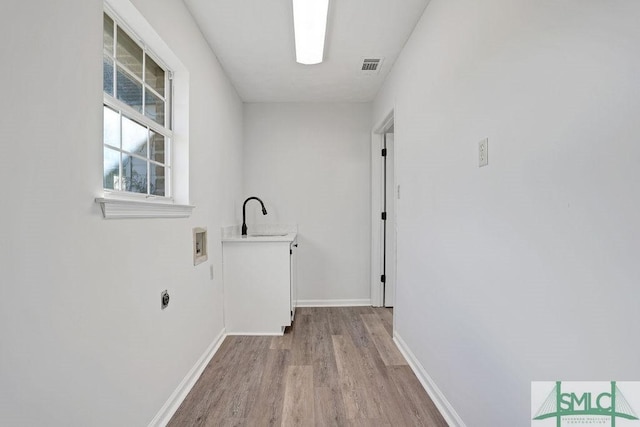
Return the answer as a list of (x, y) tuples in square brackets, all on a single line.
[(333, 367)]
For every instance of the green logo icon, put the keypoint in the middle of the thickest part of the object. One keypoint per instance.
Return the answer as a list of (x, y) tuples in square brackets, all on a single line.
[(610, 403)]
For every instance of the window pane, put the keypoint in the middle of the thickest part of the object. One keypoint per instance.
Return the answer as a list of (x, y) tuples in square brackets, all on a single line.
[(136, 158), (157, 147), (154, 107), (129, 90), (157, 180), (111, 169), (111, 129), (128, 53), (134, 137), (108, 34), (154, 75), (134, 172), (107, 75)]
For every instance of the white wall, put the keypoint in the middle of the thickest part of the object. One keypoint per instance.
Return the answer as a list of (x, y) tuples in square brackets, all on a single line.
[(83, 339), (526, 269), (309, 163)]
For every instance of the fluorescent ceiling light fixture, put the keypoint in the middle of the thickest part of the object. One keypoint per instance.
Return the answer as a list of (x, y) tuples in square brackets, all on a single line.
[(310, 26)]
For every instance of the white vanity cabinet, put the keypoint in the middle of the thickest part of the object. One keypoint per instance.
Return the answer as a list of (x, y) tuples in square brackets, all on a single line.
[(259, 284), (293, 265)]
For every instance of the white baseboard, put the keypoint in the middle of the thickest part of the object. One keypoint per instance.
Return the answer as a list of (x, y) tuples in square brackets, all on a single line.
[(256, 334), (172, 404), (333, 302), (448, 413)]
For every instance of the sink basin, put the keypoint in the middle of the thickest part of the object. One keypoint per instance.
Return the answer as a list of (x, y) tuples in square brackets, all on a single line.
[(268, 235)]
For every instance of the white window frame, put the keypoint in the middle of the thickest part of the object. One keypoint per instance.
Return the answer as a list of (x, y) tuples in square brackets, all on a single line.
[(122, 204), (125, 110)]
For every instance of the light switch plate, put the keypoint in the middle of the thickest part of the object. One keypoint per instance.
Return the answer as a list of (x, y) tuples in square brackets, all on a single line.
[(483, 152)]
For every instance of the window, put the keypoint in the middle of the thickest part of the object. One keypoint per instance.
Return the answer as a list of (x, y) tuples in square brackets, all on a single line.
[(137, 116), (145, 169)]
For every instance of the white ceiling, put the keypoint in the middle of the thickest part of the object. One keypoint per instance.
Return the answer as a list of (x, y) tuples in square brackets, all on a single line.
[(253, 39)]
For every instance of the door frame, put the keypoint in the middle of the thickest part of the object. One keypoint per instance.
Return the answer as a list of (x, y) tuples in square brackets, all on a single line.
[(377, 190)]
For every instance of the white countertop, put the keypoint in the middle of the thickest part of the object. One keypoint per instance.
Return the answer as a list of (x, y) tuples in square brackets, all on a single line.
[(261, 233), (289, 237)]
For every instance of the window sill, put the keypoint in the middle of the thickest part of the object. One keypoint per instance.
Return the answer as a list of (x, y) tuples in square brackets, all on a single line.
[(118, 208)]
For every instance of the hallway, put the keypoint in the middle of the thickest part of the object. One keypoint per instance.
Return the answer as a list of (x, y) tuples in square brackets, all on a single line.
[(335, 366)]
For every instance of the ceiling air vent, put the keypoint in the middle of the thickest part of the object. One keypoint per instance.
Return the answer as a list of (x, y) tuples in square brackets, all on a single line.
[(370, 64)]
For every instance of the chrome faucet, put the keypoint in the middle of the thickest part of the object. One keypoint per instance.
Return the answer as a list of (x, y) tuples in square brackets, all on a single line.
[(244, 220)]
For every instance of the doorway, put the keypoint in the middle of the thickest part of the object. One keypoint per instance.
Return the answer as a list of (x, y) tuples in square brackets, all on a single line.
[(384, 214)]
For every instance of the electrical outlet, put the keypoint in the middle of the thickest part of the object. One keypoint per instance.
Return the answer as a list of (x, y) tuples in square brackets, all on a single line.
[(483, 152), (164, 299), (211, 272)]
